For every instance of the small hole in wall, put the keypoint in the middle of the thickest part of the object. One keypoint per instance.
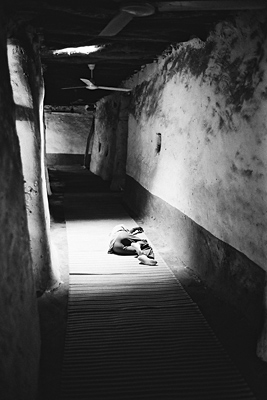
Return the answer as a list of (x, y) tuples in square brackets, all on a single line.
[(158, 145), (99, 147), (106, 152)]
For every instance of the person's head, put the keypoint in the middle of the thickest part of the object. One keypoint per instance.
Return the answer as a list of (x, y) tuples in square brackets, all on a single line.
[(118, 228)]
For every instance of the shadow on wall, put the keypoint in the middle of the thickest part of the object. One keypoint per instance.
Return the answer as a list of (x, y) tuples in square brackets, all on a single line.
[(65, 159), (212, 117), (229, 273), (43, 254), (20, 331), (109, 145)]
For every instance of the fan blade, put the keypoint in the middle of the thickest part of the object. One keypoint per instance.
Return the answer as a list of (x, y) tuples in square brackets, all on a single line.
[(211, 5), (91, 86), (87, 82), (114, 88), (116, 24), (74, 87)]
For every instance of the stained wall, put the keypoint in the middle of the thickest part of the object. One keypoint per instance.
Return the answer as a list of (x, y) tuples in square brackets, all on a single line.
[(208, 101), (109, 143), (28, 93), (205, 184), (19, 322)]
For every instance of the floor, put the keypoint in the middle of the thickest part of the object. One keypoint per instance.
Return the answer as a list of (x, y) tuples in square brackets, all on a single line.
[(231, 328)]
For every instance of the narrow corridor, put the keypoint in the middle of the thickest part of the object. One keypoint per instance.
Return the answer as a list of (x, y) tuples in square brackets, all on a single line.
[(132, 331)]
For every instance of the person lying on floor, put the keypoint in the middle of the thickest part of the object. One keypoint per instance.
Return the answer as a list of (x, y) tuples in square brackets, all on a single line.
[(124, 241)]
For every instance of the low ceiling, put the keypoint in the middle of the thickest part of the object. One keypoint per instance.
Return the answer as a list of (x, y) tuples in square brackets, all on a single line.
[(75, 23)]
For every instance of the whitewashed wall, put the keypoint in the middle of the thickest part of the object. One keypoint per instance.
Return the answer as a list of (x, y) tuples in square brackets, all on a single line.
[(67, 132), (20, 341), (209, 102)]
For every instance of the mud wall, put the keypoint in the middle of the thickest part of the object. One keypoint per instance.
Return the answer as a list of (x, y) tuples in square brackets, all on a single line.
[(109, 143), (208, 101), (28, 92), (19, 333), (196, 155), (67, 130)]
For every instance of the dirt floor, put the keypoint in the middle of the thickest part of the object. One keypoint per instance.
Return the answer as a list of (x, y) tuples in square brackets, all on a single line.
[(231, 328)]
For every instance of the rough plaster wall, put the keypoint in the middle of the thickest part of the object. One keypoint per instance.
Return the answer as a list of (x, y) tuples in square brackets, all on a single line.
[(28, 92), (209, 102), (109, 146), (19, 332), (66, 133)]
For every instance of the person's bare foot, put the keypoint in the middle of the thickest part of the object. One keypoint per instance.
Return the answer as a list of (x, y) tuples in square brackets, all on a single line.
[(145, 260)]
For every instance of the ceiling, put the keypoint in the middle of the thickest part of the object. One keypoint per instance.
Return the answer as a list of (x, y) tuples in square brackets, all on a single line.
[(75, 23)]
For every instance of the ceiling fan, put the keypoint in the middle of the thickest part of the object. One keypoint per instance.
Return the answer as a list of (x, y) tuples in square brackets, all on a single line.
[(130, 10), (91, 86)]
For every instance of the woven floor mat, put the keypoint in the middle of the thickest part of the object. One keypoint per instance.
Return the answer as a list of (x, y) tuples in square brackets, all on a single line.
[(133, 332)]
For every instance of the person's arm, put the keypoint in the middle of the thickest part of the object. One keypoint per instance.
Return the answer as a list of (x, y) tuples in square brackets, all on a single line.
[(137, 229)]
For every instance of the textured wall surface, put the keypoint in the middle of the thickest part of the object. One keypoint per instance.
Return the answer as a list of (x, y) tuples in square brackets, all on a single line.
[(208, 101), (27, 85), (228, 272), (19, 323), (67, 132), (197, 156), (109, 144)]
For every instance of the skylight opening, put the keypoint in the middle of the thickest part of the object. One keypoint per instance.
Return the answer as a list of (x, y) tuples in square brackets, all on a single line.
[(78, 50)]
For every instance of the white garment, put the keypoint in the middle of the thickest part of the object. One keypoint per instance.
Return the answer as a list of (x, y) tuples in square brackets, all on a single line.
[(114, 233)]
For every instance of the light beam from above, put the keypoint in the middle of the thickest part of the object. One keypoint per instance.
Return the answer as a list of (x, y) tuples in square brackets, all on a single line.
[(78, 50)]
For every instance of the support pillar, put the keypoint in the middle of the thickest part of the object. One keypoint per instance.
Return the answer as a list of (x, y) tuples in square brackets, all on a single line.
[(28, 92), (19, 321)]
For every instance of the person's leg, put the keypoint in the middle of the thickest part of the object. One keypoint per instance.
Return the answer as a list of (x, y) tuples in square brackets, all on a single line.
[(121, 249), (125, 246)]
